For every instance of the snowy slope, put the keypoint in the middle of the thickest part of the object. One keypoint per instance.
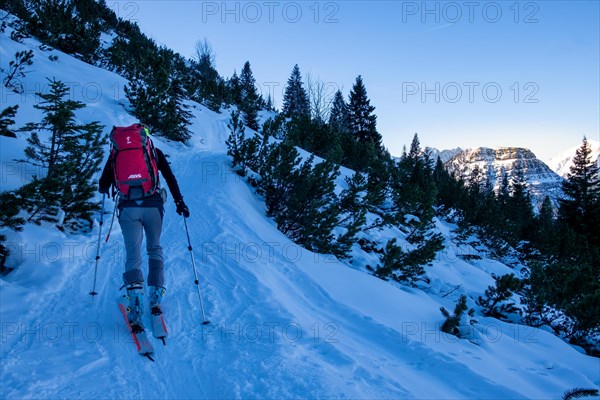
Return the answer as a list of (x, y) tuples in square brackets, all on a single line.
[(561, 164), (285, 323)]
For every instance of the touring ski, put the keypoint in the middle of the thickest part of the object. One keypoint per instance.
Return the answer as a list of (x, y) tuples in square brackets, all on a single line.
[(159, 328), (138, 333)]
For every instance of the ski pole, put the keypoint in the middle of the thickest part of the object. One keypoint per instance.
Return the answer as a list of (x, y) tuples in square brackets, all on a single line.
[(204, 321), (112, 220), (93, 292)]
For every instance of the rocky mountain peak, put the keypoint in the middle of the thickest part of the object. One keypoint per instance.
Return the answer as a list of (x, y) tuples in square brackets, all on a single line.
[(492, 163)]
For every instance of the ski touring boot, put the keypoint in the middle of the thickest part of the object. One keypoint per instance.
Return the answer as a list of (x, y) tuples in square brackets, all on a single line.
[(135, 312), (156, 295), (159, 328)]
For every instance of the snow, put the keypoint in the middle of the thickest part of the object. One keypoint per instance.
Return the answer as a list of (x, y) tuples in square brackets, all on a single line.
[(561, 164), (284, 322)]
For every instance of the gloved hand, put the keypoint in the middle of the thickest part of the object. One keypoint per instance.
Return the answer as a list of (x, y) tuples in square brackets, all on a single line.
[(182, 209), (103, 190)]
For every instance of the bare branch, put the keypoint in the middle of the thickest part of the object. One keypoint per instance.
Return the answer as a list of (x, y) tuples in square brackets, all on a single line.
[(204, 51), (320, 97)]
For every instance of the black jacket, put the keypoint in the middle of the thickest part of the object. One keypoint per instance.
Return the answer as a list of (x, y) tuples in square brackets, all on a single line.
[(108, 179)]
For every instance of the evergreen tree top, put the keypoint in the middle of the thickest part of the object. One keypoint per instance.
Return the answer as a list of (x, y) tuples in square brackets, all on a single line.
[(363, 122), (415, 148), (338, 116), (246, 77), (583, 168), (582, 186), (358, 95), (338, 97), (295, 99)]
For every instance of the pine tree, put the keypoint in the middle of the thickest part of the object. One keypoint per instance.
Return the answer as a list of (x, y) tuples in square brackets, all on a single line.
[(441, 179), (69, 159), (147, 89), (378, 179), (580, 208), (504, 190), (235, 141), (391, 260), (250, 100), (353, 211), (519, 208), (254, 150), (535, 298), (408, 266), (352, 198), (299, 132), (277, 169), (414, 194), (566, 279), (362, 121), (497, 302), (479, 202), (450, 191), (363, 125), (414, 187), (274, 127), (579, 393), (63, 25), (59, 116), (452, 324), (234, 88), (9, 219), (546, 234), (339, 125), (546, 215), (6, 120), (314, 137), (317, 207), (269, 105), (17, 69), (415, 149), (571, 286), (15, 7), (83, 161), (295, 99), (339, 114), (301, 197), (132, 54), (209, 83), (176, 116), (144, 100), (157, 98)]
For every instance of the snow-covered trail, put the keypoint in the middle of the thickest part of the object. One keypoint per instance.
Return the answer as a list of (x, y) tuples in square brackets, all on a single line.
[(275, 330), (254, 345)]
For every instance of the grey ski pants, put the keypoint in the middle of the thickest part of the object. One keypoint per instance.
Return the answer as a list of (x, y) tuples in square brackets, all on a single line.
[(134, 222)]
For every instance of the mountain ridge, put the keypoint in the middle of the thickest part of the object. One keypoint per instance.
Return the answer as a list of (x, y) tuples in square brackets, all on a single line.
[(490, 163)]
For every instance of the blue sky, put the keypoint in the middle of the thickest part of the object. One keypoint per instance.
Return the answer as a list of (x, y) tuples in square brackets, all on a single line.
[(460, 74)]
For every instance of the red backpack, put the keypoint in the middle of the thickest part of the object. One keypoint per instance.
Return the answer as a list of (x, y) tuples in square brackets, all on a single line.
[(134, 162)]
